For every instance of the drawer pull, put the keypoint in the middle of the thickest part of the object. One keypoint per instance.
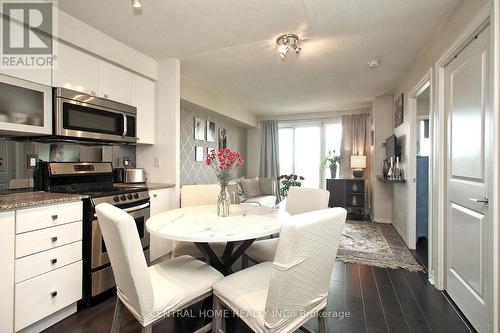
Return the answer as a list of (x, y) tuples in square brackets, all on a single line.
[(53, 261), (53, 294), (54, 239), (54, 217)]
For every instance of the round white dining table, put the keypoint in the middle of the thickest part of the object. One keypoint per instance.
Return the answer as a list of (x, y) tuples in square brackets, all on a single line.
[(202, 226)]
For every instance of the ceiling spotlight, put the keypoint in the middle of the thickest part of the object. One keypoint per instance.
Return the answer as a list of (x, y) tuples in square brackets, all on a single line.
[(286, 43), (374, 63), (136, 4)]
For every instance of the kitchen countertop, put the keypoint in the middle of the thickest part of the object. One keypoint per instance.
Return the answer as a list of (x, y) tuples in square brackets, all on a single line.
[(19, 200), (149, 186)]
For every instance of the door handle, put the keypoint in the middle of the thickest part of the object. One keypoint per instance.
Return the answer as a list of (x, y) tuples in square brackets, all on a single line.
[(486, 201)]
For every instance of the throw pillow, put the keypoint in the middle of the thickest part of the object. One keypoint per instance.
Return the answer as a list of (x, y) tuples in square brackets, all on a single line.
[(251, 187)]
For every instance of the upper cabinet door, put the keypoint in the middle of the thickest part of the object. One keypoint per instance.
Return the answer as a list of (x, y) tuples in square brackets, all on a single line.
[(144, 100), (115, 83), (39, 75), (76, 70)]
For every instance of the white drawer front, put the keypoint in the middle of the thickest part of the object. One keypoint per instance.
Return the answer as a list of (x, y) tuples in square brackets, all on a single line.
[(43, 295), (46, 261), (46, 239), (48, 216)]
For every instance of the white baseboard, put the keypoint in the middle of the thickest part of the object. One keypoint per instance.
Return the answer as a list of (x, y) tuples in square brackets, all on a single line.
[(382, 220), (50, 320), (403, 236)]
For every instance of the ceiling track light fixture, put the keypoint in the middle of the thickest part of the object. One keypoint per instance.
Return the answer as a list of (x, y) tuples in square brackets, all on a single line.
[(136, 4), (287, 42)]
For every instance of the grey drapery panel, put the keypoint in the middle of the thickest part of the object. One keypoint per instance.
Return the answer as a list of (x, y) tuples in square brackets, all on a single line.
[(269, 150), (356, 131)]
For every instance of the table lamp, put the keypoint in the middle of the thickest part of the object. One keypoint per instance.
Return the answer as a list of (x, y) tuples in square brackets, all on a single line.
[(358, 163)]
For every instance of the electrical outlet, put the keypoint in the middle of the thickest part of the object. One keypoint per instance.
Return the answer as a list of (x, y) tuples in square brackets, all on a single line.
[(31, 162), (156, 162)]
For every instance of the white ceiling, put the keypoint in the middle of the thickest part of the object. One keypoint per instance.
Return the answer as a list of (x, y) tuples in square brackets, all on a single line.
[(229, 46)]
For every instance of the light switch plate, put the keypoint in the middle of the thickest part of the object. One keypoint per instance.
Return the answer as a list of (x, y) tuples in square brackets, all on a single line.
[(156, 162)]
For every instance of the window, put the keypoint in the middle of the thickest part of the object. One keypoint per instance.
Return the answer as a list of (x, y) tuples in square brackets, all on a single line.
[(302, 146)]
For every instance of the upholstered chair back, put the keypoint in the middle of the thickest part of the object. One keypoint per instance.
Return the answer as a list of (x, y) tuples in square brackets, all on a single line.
[(300, 277), (133, 282), (302, 200), (199, 195)]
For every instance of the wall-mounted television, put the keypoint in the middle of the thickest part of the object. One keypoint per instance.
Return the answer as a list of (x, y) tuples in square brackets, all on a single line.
[(392, 148)]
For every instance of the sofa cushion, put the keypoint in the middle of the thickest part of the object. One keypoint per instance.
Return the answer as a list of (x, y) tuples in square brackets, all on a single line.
[(251, 187), (263, 200)]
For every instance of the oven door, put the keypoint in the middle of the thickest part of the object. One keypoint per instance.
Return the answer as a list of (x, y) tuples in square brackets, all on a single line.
[(82, 120), (99, 255)]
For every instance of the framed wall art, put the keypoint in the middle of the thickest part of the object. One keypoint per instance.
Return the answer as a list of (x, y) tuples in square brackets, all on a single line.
[(199, 129), (399, 111)]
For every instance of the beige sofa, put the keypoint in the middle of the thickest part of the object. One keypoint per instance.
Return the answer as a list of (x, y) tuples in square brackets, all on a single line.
[(267, 188)]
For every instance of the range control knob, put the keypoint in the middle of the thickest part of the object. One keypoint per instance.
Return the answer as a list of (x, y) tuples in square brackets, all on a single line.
[(123, 197), (129, 196), (136, 196), (116, 199)]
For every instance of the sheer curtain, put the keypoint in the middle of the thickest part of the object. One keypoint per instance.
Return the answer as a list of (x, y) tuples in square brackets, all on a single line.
[(356, 141)]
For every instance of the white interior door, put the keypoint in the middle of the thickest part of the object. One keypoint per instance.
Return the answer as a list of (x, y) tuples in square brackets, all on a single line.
[(468, 228)]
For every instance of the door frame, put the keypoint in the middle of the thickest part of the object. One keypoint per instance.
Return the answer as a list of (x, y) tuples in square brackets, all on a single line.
[(426, 82), (440, 130)]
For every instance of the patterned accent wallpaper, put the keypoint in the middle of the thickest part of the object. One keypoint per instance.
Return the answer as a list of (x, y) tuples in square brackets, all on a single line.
[(193, 172)]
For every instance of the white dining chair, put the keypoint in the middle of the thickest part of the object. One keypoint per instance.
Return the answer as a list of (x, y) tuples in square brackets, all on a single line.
[(155, 292), (300, 200), (197, 195), (281, 296)]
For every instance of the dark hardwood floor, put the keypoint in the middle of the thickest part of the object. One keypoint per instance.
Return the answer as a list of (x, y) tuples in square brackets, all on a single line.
[(362, 299)]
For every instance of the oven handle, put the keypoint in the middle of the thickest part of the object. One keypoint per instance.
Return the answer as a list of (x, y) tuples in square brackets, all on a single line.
[(133, 209)]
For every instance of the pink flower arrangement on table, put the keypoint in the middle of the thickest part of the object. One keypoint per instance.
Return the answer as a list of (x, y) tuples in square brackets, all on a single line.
[(224, 163)]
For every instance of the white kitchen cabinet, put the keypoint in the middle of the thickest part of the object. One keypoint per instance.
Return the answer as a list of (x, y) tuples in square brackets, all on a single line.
[(76, 70), (42, 76), (7, 237), (41, 278), (115, 83), (144, 100), (161, 201)]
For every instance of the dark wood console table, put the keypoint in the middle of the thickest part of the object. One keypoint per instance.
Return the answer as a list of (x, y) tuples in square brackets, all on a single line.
[(348, 194)]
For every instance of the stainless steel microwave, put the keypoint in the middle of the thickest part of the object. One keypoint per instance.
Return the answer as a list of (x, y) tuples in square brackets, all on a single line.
[(85, 117)]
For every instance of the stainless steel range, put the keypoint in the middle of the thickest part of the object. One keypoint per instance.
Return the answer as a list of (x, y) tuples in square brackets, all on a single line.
[(95, 179)]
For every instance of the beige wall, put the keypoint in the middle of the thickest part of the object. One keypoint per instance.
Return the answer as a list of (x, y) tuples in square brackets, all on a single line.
[(193, 92), (451, 29), (382, 128), (167, 126)]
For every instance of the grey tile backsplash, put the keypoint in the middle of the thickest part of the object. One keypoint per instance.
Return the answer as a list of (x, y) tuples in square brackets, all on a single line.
[(13, 156)]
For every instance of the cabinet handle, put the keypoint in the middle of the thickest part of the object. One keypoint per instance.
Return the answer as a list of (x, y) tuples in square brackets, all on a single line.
[(155, 195), (54, 239), (53, 293), (53, 261), (105, 95), (92, 92), (54, 217)]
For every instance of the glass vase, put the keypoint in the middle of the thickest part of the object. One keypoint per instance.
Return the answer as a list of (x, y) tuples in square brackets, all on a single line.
[(223, 203)]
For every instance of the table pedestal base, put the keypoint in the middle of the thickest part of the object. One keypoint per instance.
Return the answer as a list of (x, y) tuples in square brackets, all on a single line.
[(229, 256)]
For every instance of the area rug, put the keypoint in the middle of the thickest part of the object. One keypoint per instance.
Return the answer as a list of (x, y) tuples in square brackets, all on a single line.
[(375, 244)]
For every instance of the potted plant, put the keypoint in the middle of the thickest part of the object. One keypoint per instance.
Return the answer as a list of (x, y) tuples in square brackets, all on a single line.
[(287, 181), (224, 163), (332, 160)]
